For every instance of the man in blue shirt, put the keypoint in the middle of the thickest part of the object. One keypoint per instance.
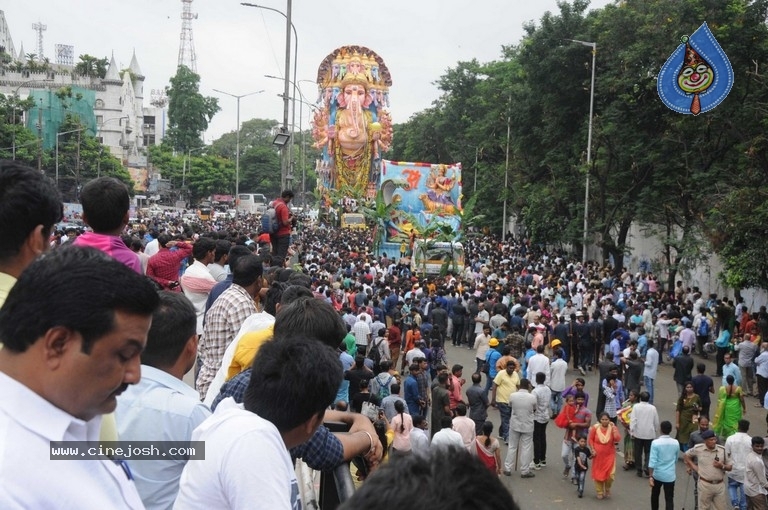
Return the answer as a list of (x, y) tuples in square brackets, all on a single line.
[(730, 368), (161, 407), (661, 467), (411, 391)]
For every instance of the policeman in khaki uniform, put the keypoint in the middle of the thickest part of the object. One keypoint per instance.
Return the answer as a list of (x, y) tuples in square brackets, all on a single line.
[(711, 468)]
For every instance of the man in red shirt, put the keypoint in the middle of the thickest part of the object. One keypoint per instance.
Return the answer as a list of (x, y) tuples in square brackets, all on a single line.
[(282, 238), (163, 266)]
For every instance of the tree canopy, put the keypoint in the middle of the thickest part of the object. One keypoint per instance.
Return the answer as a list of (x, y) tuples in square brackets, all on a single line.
[(697, 183), (189, 112)]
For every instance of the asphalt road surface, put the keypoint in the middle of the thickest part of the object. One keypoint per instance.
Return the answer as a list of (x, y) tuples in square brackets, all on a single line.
[(549, 489)]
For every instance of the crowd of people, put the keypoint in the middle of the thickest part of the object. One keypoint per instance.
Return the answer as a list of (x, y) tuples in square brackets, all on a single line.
[(287, 330)]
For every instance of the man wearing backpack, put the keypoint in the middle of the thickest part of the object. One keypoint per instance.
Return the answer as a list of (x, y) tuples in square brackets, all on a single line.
[(381, 385), (282, 237), (701, 327)]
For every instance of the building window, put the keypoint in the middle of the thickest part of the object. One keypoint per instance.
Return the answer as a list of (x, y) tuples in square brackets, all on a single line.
[(99, 120), (100, 139), (99, 103)]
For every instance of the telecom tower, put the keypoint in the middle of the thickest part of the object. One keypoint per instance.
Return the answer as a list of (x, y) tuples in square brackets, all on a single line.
[(39, 28), (187, 45)]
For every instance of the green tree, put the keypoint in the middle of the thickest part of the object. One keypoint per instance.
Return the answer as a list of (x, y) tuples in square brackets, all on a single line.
[(189, 112)]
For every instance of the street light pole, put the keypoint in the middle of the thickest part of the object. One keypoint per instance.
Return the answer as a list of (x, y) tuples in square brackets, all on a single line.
[(285, 177), (302, 101), (585, 237), (57, 149), (506, 174), (237, 155)]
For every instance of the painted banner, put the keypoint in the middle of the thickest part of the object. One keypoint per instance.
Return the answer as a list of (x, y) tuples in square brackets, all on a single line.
[(421, 194)]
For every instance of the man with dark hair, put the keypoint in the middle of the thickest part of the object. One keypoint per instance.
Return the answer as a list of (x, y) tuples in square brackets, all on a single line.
[(756, 485), (477, 398), (441, 402), (197, 282), (282, 238), (235, 252), (522, 405), (703, 386), (737, 447), (223, 320), (250, 441), (441, 479), (30, 206), (644, 428), (220, 258), (73, 327), (683, 365), (163, 266), (661, 467), (161, 407), (324, 451), (105, 209)]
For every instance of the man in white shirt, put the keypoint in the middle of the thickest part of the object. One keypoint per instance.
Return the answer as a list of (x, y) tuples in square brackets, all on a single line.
[(540, 420), (557, 371), (420, 436), (737, 448), (644, 428), (446, 437), (756, 485), (73, 328), (161, 407), (651, 367), (220, 258), (539, 362), (197, 282), (362, 332), (249, 442)]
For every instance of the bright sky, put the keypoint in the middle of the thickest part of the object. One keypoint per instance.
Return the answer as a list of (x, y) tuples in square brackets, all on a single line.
[(237, 45)]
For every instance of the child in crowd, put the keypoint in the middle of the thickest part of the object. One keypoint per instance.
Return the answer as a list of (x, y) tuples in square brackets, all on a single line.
[(581, 456)]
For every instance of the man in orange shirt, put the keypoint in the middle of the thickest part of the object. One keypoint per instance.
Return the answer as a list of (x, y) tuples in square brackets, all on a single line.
[(455, 382)]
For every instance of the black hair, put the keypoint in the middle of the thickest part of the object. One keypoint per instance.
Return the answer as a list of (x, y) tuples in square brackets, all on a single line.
[(105, 203), (274, 296), (487, 430), (665, 427), (287, 193), (292, 380), (449, 479), (540, 377), (222, 248), (380, 426), (400, 409), (307, 315), (202, 247), (27, 199), (446, 422), (76, 288), (173, 324), (395, 389), (293, 292), (235, 253), (461, 409), (247, 270)]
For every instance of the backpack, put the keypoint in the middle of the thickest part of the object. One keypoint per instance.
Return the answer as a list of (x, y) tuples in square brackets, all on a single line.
[(703, 327), (269, 222), (383, 390), (374, 354)]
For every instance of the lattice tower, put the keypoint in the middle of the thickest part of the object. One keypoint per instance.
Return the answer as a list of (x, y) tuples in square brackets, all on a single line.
[(39, 28), (186, 44)]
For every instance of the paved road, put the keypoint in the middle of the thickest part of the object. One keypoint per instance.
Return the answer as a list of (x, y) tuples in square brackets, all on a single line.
[(550, 490)]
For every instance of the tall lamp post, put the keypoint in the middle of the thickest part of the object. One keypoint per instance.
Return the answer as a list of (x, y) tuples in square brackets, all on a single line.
[(57, 149), (302, 101), (592, 45), (237, 155), (286, 178)]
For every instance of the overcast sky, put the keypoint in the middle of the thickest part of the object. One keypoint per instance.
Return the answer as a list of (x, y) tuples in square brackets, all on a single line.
[(237, 45)]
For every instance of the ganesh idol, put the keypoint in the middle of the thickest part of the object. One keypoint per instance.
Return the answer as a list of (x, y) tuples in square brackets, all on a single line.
[(358, 133)]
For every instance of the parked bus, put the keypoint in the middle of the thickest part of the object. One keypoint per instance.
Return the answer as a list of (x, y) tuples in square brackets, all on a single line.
[(251, 203)]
